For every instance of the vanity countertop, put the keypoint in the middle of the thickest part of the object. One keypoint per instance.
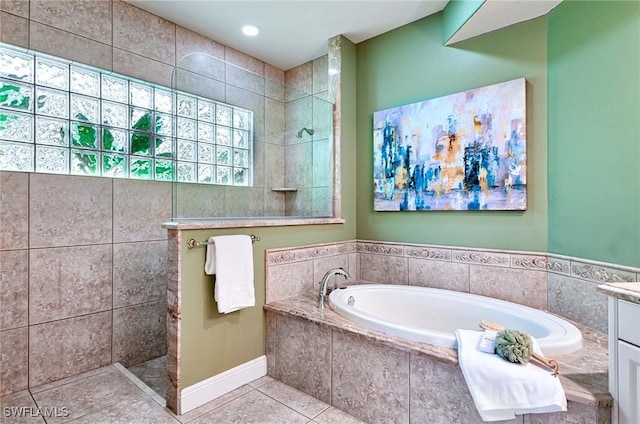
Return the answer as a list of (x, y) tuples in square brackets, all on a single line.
[(625, 291)]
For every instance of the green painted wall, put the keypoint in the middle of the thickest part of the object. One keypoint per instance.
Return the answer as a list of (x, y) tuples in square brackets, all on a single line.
[(594, 130), (213, 343), (410, 64), (456, 13)]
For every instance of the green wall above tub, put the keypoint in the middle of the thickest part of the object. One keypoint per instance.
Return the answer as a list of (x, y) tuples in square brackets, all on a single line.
[(594, 130), (410, 64)]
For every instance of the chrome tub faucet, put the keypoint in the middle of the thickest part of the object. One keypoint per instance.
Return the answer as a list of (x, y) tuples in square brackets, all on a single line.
[(324, 284)]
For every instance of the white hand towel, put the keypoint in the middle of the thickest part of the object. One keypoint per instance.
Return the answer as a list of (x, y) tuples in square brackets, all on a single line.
[(501, 389), (234, 273), (210, 259)]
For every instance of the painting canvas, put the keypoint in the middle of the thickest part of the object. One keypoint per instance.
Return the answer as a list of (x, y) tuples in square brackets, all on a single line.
[(465, 151)]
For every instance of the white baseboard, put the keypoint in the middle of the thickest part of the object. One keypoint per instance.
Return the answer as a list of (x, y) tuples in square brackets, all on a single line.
[(218, 385)]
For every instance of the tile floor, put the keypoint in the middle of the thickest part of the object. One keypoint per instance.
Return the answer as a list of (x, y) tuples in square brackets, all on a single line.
[(112, 394), (154, 374)]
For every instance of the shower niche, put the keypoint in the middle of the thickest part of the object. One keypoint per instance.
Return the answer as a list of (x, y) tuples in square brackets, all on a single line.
[(257, 142)]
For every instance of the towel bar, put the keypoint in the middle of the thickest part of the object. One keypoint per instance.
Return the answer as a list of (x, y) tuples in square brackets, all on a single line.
[(191, 243)]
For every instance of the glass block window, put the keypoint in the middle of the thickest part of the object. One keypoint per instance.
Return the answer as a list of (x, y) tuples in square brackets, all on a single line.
[(60, 117)]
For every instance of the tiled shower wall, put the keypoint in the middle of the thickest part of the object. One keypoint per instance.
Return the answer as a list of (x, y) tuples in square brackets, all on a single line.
[(113, 35), (83, 259), (562, 285), (308, 159), (82, 275)]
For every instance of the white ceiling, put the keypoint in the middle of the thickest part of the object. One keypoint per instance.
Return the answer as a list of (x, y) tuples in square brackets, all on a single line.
[(293, 32)]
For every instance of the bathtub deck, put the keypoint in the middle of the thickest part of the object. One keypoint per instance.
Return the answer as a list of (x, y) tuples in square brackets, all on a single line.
[(584, 374)]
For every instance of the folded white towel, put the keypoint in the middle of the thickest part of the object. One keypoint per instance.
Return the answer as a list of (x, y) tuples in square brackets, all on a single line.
[(210, 259), (500, 389), (232, 262)]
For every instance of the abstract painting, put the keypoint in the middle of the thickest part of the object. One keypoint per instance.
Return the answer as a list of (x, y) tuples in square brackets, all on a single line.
[(464, 151)]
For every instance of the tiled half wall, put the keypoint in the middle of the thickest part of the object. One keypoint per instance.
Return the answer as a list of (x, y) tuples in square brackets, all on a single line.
[(562, 285), (82, 275)]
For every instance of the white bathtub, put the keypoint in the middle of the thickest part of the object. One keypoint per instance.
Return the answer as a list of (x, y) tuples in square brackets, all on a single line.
[(432, 315)]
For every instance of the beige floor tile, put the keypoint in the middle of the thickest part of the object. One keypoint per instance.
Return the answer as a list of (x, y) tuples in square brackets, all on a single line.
[(336, 416), (19, 408), (140, 410), (88, 395), (253, 408), (294, 399), (214, 404), (261, 381)]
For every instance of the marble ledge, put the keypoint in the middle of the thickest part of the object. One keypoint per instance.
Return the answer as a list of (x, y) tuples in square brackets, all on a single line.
[(624, 291), (248, 223), (584, 374)]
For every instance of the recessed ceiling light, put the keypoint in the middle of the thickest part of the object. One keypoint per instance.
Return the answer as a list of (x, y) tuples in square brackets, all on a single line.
[(250, 30)]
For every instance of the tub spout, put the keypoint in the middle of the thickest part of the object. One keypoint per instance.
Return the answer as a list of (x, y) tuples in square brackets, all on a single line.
[(324, 284)]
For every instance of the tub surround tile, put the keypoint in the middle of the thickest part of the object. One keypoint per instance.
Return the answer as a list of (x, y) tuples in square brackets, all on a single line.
[(66, 282), (274, 155), (198, 200), (306, 307), (252, 101), (303, 353), (275, 121), (297, 165), (67, 210), (14, 30), (514, 285), (302, 253), (14, 360), (322, 265), (576, 413), (540, 262), (14, 204), (88, 395), (87, 19), (137, 66), (429, 403), (70, 46), (300, 402), (370, 381), (289, 279), (578, 300), (14, 289), (252, 408), (274, 82), (383, 269), (151, 36), (140, 208), (438, 274), (15, 7), (139, 272), (139, 333), (62, 348)]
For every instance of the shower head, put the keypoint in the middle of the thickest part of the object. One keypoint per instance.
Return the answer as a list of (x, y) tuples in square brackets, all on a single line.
[(304, 129)]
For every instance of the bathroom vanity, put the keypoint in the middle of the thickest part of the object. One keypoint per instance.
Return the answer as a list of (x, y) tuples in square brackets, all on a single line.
[(624, 350)]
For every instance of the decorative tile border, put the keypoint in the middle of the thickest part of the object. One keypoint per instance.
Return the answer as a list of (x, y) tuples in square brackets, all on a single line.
[(481, 258), (305, 253), (380, 248), (600, 274), (542, 263), (427, 253)]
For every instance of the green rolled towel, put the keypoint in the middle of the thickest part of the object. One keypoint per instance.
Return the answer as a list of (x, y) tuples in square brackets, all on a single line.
[(514, 346)]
